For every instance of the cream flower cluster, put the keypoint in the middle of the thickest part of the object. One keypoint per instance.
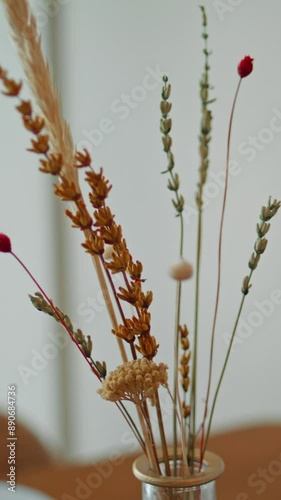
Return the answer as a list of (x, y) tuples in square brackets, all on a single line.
[(135, 381)]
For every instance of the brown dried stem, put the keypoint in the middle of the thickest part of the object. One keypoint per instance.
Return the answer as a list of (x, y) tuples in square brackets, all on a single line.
[(219, 266), (162, 435)]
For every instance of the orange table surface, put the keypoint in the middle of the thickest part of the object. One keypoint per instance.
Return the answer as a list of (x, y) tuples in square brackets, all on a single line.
[(252, 460)]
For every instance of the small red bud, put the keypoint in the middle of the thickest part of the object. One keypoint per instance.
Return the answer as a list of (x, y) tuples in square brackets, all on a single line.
[(5, 243), (245, 67)]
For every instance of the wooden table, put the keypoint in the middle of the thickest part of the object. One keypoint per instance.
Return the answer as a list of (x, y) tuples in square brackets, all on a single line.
[(252, 459)]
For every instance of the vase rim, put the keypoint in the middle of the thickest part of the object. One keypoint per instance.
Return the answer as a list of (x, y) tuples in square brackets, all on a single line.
[(214, 468)]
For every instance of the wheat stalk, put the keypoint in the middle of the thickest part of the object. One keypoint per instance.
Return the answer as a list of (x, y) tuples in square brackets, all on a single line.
[(37, 71)]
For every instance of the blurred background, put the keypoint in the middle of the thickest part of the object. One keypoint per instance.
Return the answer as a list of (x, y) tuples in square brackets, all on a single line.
[(108, 59)]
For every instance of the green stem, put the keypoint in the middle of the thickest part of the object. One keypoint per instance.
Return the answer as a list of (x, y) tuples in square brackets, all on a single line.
[(176, 352), (195, 341), (204, 144), (224, 368), (162, 435), (146, 415), (132, 424)]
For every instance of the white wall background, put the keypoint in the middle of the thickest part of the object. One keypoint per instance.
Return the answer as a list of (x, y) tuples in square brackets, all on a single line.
[(27, 216), (104, 50)]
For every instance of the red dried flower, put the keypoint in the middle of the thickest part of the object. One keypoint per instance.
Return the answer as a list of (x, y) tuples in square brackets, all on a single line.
[(5, 243), (245, 67)]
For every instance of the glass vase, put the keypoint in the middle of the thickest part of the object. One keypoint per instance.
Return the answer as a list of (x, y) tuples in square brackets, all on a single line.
[(198, 486)]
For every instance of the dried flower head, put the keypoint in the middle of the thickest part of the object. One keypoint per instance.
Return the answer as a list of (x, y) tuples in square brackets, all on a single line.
[(94, 245), (41, 304), (183, 270), (83, 159), (25, 108), (12, 88), (145, 299), (40, 145), (5, 243), (135, 381), (81, 219), (51, 166), (147, 346), (245, 67)]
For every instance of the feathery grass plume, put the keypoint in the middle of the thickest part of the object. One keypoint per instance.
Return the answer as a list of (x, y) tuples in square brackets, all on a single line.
[(267, 212), (28, 42)]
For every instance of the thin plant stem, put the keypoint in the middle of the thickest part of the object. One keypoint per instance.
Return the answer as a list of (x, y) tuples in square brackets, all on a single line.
[(176, 351), (195, 341), (176, 369), (150, 446), (59, 316), (131, 424), (204, 140), (107, 300), (148, 421), (223, 369), (118, 303), (183, 440), (133, 351), (129, 288), (219, 270), (134, 355), (162, 435), (173, 185)]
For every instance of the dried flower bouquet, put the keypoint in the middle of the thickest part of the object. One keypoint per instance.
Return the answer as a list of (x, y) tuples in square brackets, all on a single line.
[(138, 379)]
